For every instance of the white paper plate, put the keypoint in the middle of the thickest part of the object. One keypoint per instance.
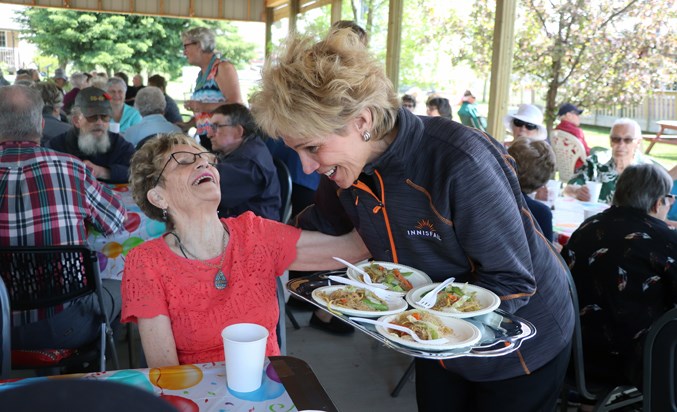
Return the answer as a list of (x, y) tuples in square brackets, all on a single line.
[(463, 334), (394, 306), (417, 278), (488, 300)]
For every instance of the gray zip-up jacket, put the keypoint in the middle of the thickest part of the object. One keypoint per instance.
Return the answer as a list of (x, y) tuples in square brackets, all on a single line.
[(445, 199)]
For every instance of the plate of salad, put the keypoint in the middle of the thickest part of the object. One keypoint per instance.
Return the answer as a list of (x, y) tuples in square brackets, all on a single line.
[(396, 277), (458, 300), (353, 301), (459, 332)]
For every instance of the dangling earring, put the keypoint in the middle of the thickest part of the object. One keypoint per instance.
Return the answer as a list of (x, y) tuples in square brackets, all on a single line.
[(164, 214), (366, 136)]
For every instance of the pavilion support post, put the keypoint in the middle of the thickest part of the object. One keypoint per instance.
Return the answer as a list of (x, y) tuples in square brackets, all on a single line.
[(394, 42), (501, 67), (335, 11), (270, 13), (294, 11)]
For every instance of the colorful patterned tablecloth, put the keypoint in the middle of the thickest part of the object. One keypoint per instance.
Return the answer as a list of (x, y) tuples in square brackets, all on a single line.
[(193, 388), (112, 250)]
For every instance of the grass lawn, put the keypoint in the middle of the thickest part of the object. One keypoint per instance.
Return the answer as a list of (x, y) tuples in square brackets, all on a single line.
[(664, 154)]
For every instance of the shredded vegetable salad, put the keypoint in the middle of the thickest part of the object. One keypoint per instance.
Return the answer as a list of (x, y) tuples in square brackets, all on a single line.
[(456, 299), (426, 325), (354, 298), (392, 278)]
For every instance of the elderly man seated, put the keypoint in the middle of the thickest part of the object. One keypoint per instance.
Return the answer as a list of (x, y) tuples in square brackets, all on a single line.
[(625, 139), (623, 261), (151, 103), (47, 197), (107, 154)]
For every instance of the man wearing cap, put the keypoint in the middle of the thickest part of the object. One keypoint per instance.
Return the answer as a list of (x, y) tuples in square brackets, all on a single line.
[(527, 122), (60, 79), (570, 121), (107, 154), (47, 199)]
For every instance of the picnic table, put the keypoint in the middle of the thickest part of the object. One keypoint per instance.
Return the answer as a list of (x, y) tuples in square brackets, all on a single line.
[(659, 138)]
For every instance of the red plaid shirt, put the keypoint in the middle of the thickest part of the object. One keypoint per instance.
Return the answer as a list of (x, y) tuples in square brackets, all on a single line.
[(46, 197)]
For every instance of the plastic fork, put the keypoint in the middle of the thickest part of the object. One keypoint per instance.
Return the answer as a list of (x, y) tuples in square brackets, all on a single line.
[(365, 275), (383, 294), (411, 333), (429, 300)]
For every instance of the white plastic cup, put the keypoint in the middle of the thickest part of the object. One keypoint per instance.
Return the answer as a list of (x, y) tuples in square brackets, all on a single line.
[(553, 187), (114, 127), (594, 188), (244, 345)]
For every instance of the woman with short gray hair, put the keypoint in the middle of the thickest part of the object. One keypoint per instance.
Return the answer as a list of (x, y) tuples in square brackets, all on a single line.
[(624, 263), (217, 83), (124, 115)]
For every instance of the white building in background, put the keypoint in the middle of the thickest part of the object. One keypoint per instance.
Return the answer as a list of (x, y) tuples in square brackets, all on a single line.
[(14, 52)]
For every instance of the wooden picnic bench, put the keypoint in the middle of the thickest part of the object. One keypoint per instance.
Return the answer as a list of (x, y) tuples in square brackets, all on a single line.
[(659, 138)]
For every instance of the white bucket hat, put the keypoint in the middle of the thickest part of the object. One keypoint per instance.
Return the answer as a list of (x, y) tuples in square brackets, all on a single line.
[(530, 114)]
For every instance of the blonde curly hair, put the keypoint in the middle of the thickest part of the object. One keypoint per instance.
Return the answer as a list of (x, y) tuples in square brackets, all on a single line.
[(314, 89), (145, 168)]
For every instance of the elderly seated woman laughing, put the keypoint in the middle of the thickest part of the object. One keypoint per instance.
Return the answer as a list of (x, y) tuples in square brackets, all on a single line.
[(206, 273)]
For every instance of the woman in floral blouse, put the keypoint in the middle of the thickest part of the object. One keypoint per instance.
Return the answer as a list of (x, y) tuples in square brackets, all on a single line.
[(624, 263), (625, 139)]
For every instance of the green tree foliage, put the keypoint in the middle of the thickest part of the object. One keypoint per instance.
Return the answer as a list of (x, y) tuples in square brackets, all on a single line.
[(602, 53), (122, 42)]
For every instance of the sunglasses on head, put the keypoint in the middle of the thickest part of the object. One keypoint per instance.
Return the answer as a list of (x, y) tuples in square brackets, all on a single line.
[(520, 123), (617, 140)]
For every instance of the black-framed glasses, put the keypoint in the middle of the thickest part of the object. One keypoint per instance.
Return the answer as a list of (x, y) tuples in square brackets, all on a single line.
[(95, 117), (520, 123), (186, 158), (216, 126), (670, 196), (185, 45), (626, 140), (408, 105)]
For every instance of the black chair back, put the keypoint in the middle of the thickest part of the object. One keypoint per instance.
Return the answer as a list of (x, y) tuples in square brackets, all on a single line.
[(5, 327), (44, 276), (285, 190), (660, 364)]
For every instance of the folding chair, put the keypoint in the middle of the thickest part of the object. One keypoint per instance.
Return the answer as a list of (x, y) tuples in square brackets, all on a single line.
[(660, 364), (44, 277)]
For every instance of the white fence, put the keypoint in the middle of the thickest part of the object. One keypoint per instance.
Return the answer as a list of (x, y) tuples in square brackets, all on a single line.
[(660, 105)]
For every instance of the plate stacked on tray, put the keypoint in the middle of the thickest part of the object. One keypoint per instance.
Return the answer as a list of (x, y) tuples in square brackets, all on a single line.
[(390, 274), (479, 300)]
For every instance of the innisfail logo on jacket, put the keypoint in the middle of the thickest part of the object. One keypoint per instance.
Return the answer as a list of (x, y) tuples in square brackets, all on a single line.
[(424, 228)]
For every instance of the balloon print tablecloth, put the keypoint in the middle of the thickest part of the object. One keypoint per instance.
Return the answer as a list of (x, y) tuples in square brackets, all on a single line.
[(194, 388), (112, 250)]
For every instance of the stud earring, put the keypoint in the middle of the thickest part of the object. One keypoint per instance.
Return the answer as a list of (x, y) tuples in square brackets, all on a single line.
[(366, 136), (164, 214)]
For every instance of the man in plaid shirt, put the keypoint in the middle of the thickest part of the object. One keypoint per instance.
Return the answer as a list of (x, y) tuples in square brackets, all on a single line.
[(46, 197)]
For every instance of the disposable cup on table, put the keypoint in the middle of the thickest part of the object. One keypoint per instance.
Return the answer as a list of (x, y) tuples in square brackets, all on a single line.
[(553, 187), (594, 188), (244, 345)]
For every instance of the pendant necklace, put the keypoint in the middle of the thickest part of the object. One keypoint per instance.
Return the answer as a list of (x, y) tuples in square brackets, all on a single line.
[(220, 281)]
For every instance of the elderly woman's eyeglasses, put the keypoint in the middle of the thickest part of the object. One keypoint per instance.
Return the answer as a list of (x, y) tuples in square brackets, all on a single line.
[(185, 45), (617, 140), (520, 123), (671, 197), (186, 158)]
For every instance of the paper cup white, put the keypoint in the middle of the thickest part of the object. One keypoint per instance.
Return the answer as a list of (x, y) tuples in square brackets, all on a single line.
[(553, 187), (594, 188), (244, 345), (114, 127)]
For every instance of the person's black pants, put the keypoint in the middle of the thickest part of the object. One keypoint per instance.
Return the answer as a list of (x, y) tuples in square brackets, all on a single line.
[(438, 390)]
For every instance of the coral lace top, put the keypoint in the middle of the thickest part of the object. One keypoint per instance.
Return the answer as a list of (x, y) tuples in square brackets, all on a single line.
[(156, 282)]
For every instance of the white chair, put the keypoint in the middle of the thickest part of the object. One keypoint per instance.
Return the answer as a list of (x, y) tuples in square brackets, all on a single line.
[(568, 149)]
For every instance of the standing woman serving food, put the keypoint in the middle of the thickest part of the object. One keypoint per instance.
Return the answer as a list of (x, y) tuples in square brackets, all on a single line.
[(216, 84), (429, 193), (207, 273)]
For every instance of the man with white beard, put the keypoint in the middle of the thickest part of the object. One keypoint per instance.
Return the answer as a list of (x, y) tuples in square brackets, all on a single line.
[(106, 154)]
